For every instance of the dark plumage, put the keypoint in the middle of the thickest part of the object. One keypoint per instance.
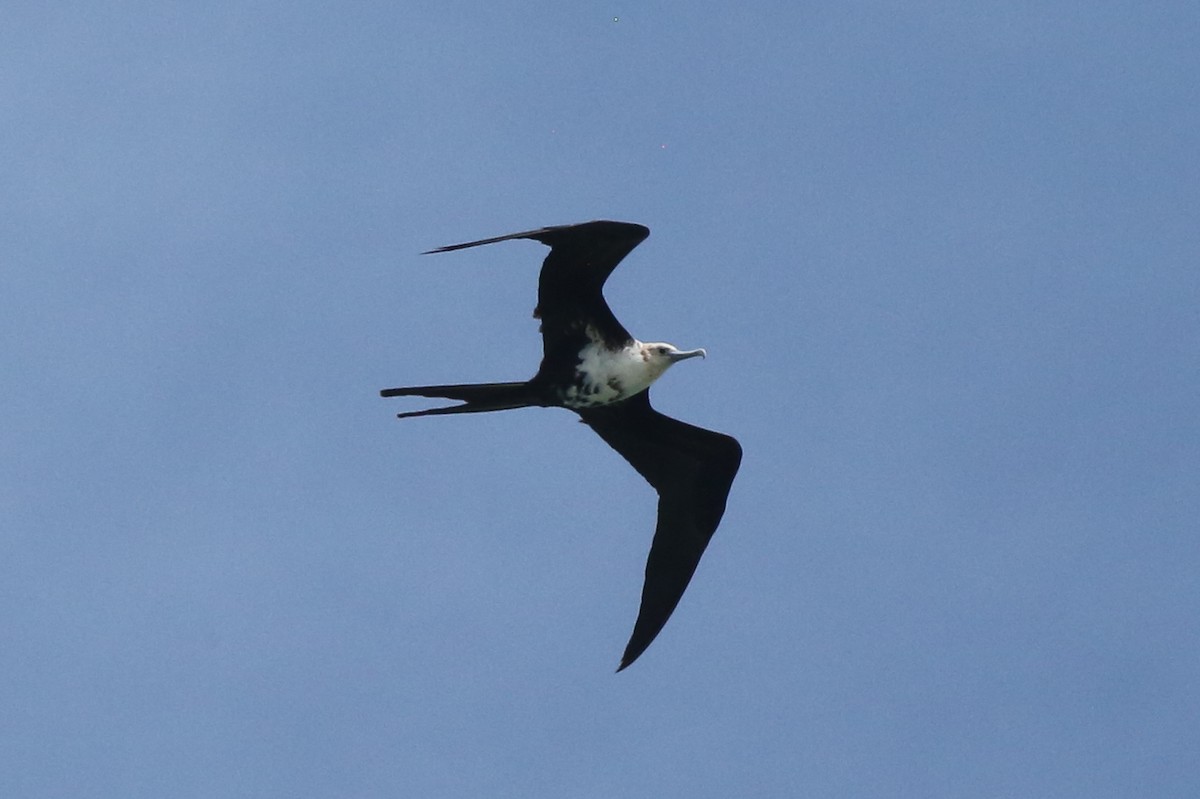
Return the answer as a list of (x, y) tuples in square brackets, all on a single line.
[(593, 366)]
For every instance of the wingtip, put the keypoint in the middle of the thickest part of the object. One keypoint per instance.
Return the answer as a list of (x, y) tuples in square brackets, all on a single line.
[(629, 657)]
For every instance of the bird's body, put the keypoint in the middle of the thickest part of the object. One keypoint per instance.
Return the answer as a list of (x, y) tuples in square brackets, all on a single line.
[(605, 375), (594, 367)]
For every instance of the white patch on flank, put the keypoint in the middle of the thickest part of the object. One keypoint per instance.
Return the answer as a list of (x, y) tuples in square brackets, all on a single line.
[(604, 376)]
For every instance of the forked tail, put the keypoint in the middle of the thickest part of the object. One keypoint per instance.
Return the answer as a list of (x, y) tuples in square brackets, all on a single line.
[(476, 397)]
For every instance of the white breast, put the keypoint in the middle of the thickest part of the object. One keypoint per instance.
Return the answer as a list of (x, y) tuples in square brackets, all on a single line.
[(605, 375)]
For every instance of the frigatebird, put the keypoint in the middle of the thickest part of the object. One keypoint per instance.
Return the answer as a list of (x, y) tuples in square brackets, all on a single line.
[(594, 367)]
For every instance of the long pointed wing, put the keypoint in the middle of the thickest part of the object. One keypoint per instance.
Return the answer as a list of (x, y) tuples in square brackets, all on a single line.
[(570, 288), (692, 469)]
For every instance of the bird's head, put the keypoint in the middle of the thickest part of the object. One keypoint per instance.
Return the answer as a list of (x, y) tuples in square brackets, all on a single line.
[(659, 355)]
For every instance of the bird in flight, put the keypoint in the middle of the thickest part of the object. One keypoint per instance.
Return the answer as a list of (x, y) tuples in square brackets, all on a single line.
[(594, 367)]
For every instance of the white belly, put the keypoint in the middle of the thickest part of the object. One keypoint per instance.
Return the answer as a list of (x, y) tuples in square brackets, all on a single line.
[(604, 376)]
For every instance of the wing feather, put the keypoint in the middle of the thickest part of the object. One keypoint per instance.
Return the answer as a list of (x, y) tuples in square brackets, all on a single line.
[(692, 469)]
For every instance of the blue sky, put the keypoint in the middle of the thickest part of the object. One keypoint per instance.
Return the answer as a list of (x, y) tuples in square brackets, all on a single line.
[(944, 260)]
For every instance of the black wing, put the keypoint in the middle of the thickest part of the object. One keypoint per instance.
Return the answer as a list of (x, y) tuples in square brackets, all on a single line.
[(692, 469), (570, 289)]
